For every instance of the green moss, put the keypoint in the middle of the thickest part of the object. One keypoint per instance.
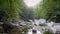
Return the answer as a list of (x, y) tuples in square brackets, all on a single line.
[(47, 32)]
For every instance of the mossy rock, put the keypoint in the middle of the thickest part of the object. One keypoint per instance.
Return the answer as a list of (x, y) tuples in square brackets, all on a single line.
[(47, 32)]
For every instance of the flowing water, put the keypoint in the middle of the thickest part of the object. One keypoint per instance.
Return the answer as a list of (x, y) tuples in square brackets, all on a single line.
[(51, 26)]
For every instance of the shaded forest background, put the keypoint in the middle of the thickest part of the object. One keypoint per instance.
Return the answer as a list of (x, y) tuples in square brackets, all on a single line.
[(16, 9)]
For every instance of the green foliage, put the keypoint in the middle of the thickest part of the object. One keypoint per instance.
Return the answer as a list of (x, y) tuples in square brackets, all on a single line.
[(47, 32), (10, 9), (36, 13), (43, 24), (23, 31), (27, 13), (50, 9)]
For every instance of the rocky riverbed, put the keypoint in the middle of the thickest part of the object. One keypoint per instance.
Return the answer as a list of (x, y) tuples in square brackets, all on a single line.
[(40, 26)]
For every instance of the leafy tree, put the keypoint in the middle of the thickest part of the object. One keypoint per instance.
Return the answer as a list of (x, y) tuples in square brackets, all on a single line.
[(50, 9), (27, 14), (9, 9)]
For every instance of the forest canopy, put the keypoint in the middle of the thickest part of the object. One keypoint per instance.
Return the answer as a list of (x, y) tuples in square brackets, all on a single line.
[(17, 9)]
